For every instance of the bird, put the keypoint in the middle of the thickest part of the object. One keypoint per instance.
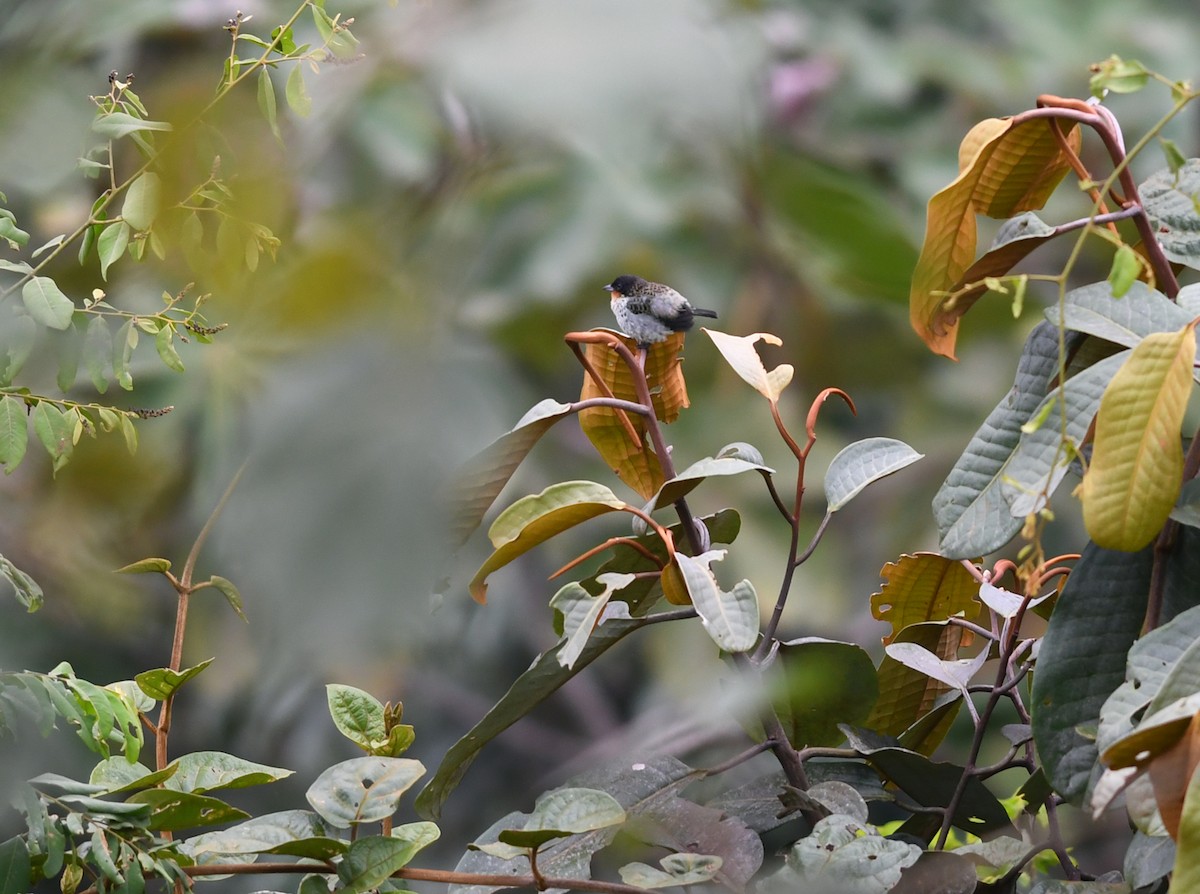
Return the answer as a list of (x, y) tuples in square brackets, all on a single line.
[(650, 311)]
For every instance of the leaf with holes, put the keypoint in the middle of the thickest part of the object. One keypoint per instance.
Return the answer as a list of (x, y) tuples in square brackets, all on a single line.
[(363, 789)]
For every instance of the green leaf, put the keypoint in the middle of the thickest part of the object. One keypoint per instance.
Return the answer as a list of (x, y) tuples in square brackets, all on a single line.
[(363, 789), (536, 518), (54, 429), (69, 344), (842, 855), (129, 433), (1096, 619), (573, 810), (16, 871), (123, 345), (299, 833), (479, 481), (581, 612), (1118, 75), (687, 480), (730, 618), (14, 432), (98, 352), (163, 682), (296, 93), (111, 245), (1136, 470), (25, 588), (370, 862), (816, 684), (341, 43), (1096, 310), (115, 125), (358, 715), (205, 771), (266, 101), (165, 345), (142, 201), (176, 810), (146, 566), (1041, 460), (677, 869), (972, 514), (20, 337), (1150, 858), (1169, 199), (117, 775), (231, 594), (11, 233), (46, 303), (930, 783), (1124, 271), (563, 812), (862, 463)]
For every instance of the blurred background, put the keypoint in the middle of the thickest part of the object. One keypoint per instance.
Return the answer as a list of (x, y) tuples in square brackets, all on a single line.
[(450, 208)]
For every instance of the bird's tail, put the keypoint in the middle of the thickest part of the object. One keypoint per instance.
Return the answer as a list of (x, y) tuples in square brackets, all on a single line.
[(701, 312)]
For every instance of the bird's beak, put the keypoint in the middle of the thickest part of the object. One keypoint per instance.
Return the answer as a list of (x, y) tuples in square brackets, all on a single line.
[(609, 288)]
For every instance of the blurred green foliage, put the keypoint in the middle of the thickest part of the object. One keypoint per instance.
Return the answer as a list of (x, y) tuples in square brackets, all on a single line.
[(450, 208)]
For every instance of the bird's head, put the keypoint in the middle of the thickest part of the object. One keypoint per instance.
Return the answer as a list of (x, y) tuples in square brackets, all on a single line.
[(624, 284)]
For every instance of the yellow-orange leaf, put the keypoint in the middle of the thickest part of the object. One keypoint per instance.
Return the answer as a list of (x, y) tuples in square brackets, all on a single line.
[(924, 587), (636, 465), (1005, 168), (1137, 463)]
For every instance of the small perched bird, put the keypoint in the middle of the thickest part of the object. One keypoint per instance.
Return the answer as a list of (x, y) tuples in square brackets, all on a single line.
[(650, 311)]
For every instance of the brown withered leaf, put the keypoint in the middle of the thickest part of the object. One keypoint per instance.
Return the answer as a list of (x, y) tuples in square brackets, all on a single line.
[(637, 466), (1005, 167), (1171, 772)]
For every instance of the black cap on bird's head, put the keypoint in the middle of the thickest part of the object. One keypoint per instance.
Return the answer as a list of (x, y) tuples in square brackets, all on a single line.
[(624, 284)]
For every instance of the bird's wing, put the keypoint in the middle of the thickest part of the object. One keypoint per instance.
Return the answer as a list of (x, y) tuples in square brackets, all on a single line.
[(639, 305)]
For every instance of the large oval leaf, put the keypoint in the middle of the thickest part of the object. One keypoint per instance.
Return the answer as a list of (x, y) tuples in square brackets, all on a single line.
[(142, 201), (1137, 464), (363, 789), (1082, 661), (46, 303), (816, 684), (862, 463), (538, 517), (973, 517)]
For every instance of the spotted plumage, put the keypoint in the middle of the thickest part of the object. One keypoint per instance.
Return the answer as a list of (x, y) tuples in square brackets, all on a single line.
[(651, 311)]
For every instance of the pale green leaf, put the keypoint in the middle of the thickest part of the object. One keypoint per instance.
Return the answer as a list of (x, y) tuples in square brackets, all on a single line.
[(296, 93), (14, 432), (46, 303)]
